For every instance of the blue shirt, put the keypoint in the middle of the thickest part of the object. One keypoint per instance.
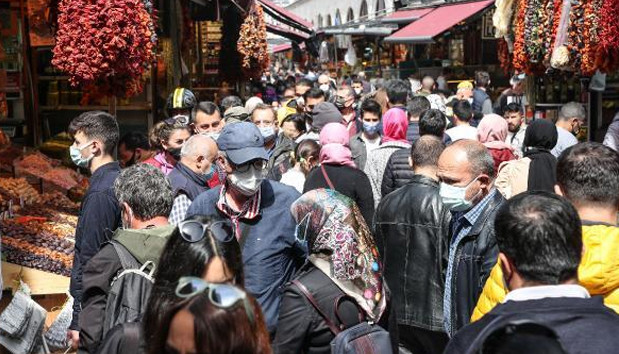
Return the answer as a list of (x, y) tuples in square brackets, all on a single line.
[(461, 225)]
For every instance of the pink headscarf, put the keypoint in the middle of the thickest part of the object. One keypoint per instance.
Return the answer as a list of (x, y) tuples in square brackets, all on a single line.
[(492, 132), (334, 141), (395, 124)]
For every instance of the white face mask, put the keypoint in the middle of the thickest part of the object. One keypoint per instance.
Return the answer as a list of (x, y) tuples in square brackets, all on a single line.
[(212, 135), (454, 197), (247, 183), (324, 87)]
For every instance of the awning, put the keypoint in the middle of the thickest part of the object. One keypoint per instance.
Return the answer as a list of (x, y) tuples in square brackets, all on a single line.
[(286, 17), (286, 33), (362, 31), (281, 48), (437, 21), (406, 16)]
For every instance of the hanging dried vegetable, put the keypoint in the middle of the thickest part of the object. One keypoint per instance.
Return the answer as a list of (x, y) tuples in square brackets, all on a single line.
[(505, 57), (252, 43), (575, 43), (554, 17), (533, 30), (591, 36), (107, 44), (520, 55), (502, 17), (607, 59)]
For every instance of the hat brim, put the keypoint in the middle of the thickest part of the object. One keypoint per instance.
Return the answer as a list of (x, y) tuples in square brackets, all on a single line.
[(241, 156)]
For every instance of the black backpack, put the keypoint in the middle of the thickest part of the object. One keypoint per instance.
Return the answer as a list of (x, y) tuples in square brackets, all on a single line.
[(364, 337), (129, 290)]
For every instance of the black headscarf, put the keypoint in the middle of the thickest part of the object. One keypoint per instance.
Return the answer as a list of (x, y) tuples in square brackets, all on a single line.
[(541, 137)]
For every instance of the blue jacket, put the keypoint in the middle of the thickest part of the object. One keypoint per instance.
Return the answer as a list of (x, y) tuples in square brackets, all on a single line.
[(271, 253), (184, 180), (99, 217)]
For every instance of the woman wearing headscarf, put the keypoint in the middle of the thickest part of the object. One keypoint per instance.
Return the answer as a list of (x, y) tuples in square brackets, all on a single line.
[(536, 171), (337, 171), (492, 132), (342, 264), (395, 124)]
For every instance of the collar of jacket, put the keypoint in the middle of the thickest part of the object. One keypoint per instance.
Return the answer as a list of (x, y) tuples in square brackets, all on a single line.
[(145, 244), (491, 209), (104, 169), (194, 177), (421, 179)]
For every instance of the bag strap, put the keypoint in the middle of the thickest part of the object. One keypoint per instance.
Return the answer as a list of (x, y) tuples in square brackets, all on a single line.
[(338, 302), (312, 300), (126, 258), (324, 173)]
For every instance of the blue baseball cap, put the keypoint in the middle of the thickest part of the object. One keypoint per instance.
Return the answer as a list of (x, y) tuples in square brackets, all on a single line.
[(242, 142)]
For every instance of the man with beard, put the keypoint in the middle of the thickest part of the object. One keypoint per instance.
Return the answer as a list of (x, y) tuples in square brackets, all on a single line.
[(516, 127)]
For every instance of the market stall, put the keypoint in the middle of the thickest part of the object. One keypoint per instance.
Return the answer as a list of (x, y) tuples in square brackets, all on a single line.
[(565, 47)]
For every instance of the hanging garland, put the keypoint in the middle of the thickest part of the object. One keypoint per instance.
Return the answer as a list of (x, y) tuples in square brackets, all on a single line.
[(591, 36), (607, 58), (105, 45), (576, 35), (554, 17), (520, 56), (252, 44), (533, 30)]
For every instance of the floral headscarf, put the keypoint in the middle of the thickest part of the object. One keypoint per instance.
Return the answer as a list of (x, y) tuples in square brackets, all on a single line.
[(332, 224)]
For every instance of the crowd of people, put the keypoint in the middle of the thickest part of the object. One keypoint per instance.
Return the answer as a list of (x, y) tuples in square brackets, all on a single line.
[(443, 223)]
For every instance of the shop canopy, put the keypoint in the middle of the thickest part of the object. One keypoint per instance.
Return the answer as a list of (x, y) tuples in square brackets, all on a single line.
[(286, 17), (281, 48), (437, 21), (406, 16)]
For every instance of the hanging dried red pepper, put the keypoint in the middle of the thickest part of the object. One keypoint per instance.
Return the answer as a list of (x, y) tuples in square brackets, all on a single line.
[(252, 44)]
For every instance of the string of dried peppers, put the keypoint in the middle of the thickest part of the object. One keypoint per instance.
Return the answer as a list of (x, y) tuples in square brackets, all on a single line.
[(105, 44), (252, 43)]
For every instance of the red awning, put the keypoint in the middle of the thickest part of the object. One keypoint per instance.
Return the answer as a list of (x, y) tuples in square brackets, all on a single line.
[(286, 33), (281, 48), (406, 16), (285, 14), (436, 22)]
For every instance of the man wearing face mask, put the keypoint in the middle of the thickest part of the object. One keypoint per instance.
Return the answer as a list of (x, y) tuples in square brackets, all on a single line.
[(465, 172), (345, 103), (260, 211), (192, 173), (571, 118), (133, 147), (95, 135), (326, 86), (357, 86), (369, 139), (206, 119), (278, 146), (145, 198)]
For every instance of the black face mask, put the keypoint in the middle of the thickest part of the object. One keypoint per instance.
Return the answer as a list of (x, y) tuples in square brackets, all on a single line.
[(130, 162), (175, 153)]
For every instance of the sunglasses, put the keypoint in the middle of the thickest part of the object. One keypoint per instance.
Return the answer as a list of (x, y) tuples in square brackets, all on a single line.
[(194, 231), (258, 164), (180, 119), (224, 296)]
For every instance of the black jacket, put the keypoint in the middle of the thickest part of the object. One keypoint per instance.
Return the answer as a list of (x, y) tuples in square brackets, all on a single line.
[(279, 162), (582, 325), (474, 258), (411, 226), (301, 329), (397, 173), (98, 218), (358, 150), (185, 181)]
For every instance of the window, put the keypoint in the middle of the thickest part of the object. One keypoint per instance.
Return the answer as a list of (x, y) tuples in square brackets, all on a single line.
[(363, 12), (380, 6), (338, 18), (350, 17), (319, 21), (329, 23)]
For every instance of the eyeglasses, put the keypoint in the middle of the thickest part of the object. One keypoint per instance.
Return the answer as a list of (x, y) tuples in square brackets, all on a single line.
[(224, 296), (180, 119), (258, 164), (194, 231)]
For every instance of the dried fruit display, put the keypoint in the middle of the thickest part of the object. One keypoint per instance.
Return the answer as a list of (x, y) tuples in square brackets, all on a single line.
[(252, 44), (108, 44), (62, 177), (36, 164), (18, 189)]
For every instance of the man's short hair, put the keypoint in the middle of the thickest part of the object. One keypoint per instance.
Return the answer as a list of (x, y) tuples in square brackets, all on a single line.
[(588, 173), (146, 190), (134, 140), (314, 93), (432, 122), (305, 82), (97, 125), (397, 91), (263, 107), (541, 234), (206, 107), (513, 108), (463, 111), (426, 151), (482, 78), (417, 105), (350, 92), (572, 110), (231, 101), (371, 106)]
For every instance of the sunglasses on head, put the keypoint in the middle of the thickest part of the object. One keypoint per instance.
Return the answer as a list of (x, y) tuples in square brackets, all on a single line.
[(224, 296), (194, 231), (180, 119)]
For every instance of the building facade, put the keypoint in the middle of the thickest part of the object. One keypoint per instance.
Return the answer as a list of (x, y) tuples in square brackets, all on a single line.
[(328, 13)]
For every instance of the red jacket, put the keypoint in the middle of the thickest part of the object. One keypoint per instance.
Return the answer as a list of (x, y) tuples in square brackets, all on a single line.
[(500, 155)]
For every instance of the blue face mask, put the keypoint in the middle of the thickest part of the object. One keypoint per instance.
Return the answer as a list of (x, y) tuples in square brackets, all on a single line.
[(371, 128), (210, 172), (76, 155), (453, 197), (268, 133)]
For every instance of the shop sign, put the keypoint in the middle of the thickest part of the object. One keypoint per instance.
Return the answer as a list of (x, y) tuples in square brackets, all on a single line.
[(487, 28)]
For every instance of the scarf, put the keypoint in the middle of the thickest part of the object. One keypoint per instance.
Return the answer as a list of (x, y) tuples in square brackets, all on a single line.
[(540, 137), (395, 124), (166, 167), (492, 132), (335, 230), (334, 139)]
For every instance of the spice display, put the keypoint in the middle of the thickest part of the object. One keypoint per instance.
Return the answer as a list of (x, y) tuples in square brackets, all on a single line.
[(252, 44), (107, 44), (607, 58)]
